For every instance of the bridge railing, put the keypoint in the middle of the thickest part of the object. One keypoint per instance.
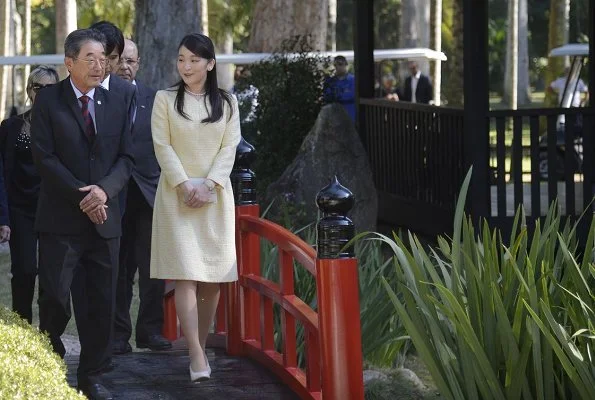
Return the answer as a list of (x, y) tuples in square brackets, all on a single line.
[(245, 319)]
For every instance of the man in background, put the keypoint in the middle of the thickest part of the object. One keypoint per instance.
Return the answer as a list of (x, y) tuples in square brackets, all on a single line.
[(340, 88), (114, 46), (417, 87), (135, 248)]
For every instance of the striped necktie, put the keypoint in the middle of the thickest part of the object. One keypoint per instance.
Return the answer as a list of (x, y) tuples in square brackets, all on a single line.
[(89, 126)]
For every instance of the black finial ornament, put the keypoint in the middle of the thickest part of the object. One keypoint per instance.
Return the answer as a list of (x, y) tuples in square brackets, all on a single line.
[(335, 229), (243, 179)]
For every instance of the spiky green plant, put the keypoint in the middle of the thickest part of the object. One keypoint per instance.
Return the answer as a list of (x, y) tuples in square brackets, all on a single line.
[(493, 320)]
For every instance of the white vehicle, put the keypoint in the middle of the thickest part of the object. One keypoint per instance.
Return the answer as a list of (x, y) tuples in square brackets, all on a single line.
[(571, 86)]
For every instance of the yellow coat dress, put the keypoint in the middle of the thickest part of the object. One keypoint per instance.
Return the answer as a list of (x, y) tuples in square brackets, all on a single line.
[(195, 244)]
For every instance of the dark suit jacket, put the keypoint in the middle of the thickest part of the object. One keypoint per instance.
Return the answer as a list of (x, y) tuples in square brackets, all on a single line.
[(9, 131), (124, 88), (423, 91), (146, 170), (67, 159)]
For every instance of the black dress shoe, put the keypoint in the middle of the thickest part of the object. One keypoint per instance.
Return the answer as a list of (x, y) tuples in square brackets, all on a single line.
[(108, 368), (96, 391), (154, 342), (120, 347)]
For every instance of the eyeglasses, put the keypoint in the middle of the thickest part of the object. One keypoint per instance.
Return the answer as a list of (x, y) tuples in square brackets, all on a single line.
[(36, 87), (91, 61), (130, 61)]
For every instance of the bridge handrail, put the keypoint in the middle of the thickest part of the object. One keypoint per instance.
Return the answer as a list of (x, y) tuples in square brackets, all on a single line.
[(287, 241)]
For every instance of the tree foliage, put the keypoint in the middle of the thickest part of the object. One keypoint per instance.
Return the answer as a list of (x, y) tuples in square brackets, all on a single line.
[(120, 12), (289, 100), (234, 15)]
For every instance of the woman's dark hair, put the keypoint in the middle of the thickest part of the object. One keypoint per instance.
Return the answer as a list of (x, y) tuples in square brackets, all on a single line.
[(202, 46)]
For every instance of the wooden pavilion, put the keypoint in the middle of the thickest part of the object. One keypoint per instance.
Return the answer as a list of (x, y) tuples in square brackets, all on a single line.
[(420, 154)]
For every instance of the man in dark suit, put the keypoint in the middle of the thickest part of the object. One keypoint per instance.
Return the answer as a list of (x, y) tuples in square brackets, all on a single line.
[(135, 250), (114, 46), (417, 88), (82, 149)]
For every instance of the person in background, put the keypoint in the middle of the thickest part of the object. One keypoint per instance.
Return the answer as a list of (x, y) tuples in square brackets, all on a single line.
[(114, 46), (135, 246), (246, 93), (340, 88), (21, 185), (417, 87), (581, 91), (388, 89), (196, 129)]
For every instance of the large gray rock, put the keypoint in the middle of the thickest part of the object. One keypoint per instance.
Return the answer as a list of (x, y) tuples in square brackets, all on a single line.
[(332, 147)]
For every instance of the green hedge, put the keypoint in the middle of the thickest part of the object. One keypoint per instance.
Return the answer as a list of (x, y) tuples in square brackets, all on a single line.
[(29, 369)]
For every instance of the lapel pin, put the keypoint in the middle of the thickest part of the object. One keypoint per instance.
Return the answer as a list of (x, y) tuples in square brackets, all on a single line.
[(99, 102), (142, 106)]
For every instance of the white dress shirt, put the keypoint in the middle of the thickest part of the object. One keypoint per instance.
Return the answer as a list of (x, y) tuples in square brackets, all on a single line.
[(414, 81), (105, 82)]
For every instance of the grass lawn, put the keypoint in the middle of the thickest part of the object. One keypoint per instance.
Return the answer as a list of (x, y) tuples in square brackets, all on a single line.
[(6, 299)]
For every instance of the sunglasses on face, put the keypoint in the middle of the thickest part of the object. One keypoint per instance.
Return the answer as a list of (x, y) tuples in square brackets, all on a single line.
[(36, 87)]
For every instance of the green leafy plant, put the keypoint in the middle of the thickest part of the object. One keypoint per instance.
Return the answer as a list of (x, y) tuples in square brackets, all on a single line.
[(500, 321), (29, 368), (289, 87)]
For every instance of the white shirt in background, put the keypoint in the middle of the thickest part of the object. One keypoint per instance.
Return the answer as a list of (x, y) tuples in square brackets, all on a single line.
[(414, 81)]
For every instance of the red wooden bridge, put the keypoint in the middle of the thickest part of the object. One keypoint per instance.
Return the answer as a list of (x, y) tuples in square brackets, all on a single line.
[(243, 343)]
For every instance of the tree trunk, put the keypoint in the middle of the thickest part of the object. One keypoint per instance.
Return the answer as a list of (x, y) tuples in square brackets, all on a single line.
[(524, 86), (225, 71), (160, 25), (4, 50), (332, 25), (415, 20), (16, 47), (65, 23), (225, 46), (558, 36), (453, 86), (204, 17), (27, 44), (274, 21), (510, 97), (437, 45)]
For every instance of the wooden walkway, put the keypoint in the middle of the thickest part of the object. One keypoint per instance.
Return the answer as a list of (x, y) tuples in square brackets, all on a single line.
[(147, 375)]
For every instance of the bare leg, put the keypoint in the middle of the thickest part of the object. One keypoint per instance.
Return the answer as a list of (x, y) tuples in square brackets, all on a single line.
[(186, 309), (208, 298)]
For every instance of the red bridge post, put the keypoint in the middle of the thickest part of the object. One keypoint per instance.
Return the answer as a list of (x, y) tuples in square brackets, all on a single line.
[(244, 190), (338, 297)]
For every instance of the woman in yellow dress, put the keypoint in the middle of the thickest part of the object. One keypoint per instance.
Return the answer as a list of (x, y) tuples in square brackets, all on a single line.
[(196, 129)]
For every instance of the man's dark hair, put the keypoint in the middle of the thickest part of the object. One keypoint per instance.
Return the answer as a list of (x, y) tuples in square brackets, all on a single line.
[(75, 40), (341, 59), (114, 38)]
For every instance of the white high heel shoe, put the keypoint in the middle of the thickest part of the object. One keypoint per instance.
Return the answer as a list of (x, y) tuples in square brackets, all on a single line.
[(199, 376), (208, 366)]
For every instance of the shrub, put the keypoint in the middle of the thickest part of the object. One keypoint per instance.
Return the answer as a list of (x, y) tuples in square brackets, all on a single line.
[(29, 369), (498, 321), (289, 100)]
